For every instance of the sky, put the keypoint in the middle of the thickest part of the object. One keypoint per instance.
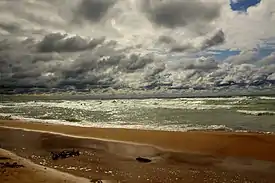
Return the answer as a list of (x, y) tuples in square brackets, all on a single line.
[(243, 5), (137, 44)]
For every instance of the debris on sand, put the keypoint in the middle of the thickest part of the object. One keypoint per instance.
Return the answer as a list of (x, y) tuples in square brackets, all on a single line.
[(96, 181), (143, 160), (64, 154), (10, 165), (4, 158)]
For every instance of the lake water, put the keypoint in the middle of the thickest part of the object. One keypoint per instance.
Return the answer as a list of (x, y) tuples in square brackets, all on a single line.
[(180, 114)]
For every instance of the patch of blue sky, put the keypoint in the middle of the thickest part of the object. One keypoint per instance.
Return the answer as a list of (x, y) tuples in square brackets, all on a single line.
[(264, 49), (220, 55), (243, 5)]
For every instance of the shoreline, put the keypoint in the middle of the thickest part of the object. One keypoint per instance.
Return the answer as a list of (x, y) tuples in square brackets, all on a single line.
[(111, 154), (139, 95), (4, 117)]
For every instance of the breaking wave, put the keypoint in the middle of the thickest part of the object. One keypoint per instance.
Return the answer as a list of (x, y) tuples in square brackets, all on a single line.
[(257, 113), (114, 105), (117, 124), (267, 98)]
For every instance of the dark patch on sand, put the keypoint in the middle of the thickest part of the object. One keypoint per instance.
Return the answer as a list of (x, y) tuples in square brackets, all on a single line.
[(10, 165), (143, 160), (4, 158), (64, 154)]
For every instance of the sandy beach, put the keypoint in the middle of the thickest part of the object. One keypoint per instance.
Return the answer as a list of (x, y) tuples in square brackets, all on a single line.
[(110, 154), (26, 171)]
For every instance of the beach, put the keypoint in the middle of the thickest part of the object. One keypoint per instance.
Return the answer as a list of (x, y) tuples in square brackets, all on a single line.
[(110, 154), (137, 91), (25, 171)]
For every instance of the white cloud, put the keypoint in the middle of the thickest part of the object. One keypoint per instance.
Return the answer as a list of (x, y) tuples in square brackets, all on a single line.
[(247, 30), (245, 57), (272, 77), (268, 60)]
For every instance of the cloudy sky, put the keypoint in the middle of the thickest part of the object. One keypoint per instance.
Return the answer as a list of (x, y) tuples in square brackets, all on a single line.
[(133, 44)]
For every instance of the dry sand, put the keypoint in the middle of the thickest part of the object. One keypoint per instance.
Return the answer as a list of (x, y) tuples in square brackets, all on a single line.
[(176, 156), (27, 171)]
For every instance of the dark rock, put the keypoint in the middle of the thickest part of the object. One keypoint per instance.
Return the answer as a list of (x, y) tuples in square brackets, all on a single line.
[(143, 160), (96, 181), (10, 165), (64, 154)]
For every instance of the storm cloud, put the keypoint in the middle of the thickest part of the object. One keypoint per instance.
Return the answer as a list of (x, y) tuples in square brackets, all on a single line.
[(245, 57), (216, 39), (176, 13), (93, 10), (58, 42), (139, 45)]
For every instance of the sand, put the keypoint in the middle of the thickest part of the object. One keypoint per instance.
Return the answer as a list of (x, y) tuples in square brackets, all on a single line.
[(256, 146), (110, 154), (30, 172)]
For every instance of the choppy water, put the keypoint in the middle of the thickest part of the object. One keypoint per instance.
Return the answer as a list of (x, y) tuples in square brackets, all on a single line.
[(181, 114)]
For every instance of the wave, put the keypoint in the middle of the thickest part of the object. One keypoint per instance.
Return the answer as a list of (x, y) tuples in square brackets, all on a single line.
[(257, 113), (218, 98), (114, 105), (267, 98), (126, 125)]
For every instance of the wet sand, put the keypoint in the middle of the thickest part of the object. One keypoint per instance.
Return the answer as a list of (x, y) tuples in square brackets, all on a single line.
[(249, 145), (176, 156)]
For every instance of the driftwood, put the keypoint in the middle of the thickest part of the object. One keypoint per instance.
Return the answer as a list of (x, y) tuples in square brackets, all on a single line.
[(64, 154), (143, 160), (10, 165)]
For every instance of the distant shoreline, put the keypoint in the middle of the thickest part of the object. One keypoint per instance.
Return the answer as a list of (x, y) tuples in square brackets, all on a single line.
[(66, 96)]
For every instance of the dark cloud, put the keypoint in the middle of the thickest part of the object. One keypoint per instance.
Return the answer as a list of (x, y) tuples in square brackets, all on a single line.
[(166, 39), (216, 39), (172, 44), (93, 10), (199, 64), (25, 64), (176, 13), (58, 42), (153, 74), (268, 60), (205, 64), (245, 57), (46, 68), (135, 62), (180, 48), (156, 69), (10, 28)]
